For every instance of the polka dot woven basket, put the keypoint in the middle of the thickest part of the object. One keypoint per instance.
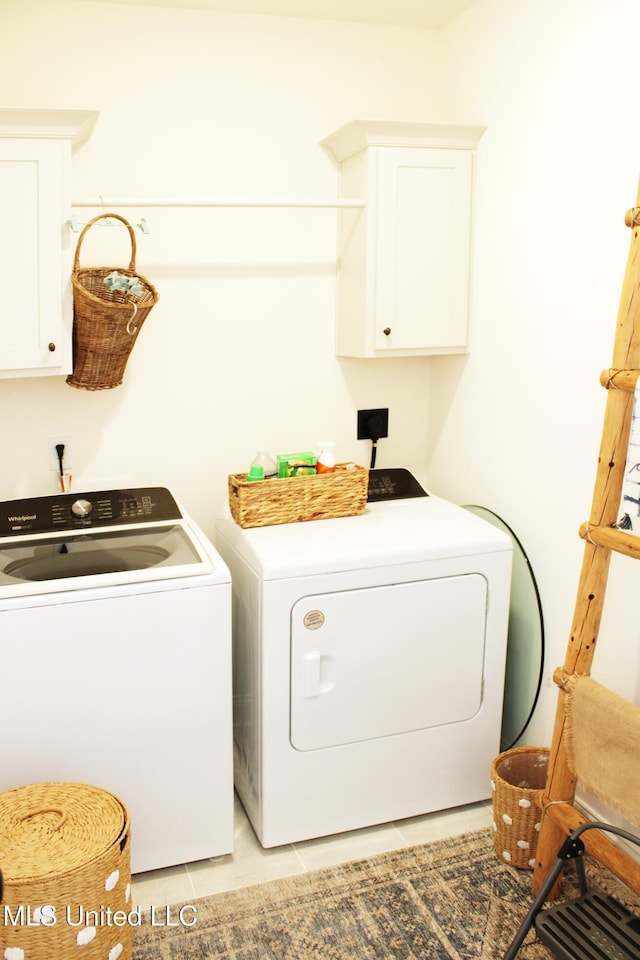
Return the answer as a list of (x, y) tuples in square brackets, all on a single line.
[(64, 854), (518, 778)]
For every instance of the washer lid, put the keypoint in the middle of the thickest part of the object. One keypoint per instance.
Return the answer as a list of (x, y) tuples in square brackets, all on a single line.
[(126, 537), (104, 558), (389, 532)]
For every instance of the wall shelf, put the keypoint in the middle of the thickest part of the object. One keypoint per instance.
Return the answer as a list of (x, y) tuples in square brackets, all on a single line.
[(103, 203)]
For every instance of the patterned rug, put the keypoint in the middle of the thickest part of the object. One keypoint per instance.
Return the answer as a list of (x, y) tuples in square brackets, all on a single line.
[(449, 900)]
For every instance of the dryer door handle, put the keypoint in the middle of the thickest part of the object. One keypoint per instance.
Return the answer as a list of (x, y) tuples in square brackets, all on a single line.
[(318, 673), (312, 666)]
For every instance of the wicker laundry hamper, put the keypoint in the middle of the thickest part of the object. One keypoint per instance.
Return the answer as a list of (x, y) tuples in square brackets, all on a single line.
[(64, 852), (518, 778), (106, 321)]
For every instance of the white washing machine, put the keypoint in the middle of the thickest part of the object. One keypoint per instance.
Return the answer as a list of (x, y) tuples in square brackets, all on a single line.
[(369, 662), (115, 635)]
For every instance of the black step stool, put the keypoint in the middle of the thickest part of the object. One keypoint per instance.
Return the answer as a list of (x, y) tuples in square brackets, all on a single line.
[(593, 926)]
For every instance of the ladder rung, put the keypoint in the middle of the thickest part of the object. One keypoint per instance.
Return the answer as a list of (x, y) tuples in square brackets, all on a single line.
[(612, 539), (619, 379)]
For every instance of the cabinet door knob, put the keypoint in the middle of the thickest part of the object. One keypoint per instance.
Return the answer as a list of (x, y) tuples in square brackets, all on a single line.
[(387, 331), (52, 347)]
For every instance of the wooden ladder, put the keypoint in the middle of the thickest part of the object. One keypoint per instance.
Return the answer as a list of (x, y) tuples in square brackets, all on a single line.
[(560, 816)]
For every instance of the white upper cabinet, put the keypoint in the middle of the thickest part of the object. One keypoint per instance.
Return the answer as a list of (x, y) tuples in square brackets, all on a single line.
[(404, 259), (36, 308)]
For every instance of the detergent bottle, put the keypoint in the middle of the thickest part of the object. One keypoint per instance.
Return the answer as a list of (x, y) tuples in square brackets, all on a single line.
[(264, 459), (326, 462)]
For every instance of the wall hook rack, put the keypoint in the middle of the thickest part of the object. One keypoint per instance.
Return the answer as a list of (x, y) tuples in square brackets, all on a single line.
[(76, 224)]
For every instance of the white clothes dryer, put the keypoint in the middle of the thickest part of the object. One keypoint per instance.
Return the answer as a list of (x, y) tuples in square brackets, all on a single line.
[(115, 615), (369, 662)]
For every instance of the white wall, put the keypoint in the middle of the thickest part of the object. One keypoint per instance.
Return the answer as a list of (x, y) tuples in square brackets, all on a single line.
[(516, 424), (239, 350)]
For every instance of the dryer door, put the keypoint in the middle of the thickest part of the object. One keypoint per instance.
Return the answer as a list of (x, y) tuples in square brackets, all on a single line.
[(387, 660)]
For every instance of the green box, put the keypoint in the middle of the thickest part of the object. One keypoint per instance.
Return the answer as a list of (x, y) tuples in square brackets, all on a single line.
[(296, 464)]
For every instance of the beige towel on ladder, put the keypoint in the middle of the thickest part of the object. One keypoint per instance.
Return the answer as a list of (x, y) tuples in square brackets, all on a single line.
[(603, 745)]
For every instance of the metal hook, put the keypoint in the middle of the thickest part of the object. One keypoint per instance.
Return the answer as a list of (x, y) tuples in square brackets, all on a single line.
[(131, 330), (108, 222)]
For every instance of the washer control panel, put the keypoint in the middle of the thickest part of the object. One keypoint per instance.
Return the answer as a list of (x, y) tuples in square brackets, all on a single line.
[(78, 511)]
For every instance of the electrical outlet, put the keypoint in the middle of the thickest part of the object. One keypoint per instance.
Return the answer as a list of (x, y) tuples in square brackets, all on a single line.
[(54, 463), (373, 423)]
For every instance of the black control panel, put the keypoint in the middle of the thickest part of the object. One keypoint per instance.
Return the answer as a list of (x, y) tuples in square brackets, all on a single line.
[(395, 483), (79, 511)]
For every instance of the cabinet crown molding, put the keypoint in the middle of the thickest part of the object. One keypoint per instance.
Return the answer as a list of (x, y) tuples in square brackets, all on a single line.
[(74, 125), (360, 134)]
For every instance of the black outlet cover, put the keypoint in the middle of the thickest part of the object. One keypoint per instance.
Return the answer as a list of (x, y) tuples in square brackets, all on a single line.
[(364, 416)]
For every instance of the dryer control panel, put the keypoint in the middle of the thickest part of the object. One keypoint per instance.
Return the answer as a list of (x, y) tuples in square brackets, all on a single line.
[(394, 483), (78, 511)]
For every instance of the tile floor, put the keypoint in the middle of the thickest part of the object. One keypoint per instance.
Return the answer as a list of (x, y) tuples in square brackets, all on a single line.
[(250, 863)]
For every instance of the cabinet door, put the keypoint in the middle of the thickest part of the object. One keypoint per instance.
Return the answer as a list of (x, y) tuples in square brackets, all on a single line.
[(35, 332), (422, 251)]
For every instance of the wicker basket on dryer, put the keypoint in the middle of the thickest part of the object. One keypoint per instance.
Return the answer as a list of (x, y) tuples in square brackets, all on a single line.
[(106, 319), (296, 499)]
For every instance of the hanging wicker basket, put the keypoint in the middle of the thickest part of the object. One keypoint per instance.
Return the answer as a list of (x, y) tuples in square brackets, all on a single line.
[(64, 852), (106, 322)]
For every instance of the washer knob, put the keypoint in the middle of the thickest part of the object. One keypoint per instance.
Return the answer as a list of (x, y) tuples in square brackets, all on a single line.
[(81, 508)]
